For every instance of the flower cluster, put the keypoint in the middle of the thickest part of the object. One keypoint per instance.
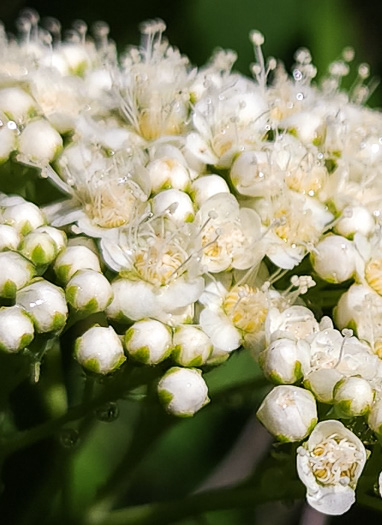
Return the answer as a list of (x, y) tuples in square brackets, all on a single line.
[(189, 197)]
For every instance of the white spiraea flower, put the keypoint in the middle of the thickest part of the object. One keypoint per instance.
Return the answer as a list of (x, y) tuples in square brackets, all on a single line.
[(288, 412), (88, 291), (16, 329), (45, 304), (16, 272), (191, 346), (296, 321), (149, 341), (99, 350), (183, 391), (329, 464)]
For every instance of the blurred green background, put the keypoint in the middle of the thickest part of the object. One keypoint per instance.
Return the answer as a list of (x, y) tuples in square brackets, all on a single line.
[(187, 453)]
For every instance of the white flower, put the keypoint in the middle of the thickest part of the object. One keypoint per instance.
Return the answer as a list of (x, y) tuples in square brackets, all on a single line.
[(329, 464), (99, 350), (183, 391), (45, 304), (288, 412), (89, 291), (39, 142), (16, 329), (297, 322), (149, 341), (191, 346)]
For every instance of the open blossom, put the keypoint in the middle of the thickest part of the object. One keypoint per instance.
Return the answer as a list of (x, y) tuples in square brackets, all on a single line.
[(329, 464)]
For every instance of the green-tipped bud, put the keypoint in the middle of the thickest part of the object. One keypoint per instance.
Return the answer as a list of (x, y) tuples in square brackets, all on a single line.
[(16, 329), (40, 142), (89, 291), (75, 258), (334, 259), (285, 360), (39, 248), (9, 237), (99, 350), (353, 396), (58, 236), (46, 305), (192, 346), (149, 341), (16, 104), (16, 272), (183, 391), (24, 216)]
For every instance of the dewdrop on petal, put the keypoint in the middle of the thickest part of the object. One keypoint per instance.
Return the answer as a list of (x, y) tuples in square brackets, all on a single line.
[(16, 272), (9, 237), (353, 396), (149, 341), (39, 248), (89, 291), (288, 412), (74, 258), (46, 305), (176, 203), (99, 350), (24, 216), (16, 329), (183, 391), (334, 259), (285, 361), (39, 142), (192, 346)]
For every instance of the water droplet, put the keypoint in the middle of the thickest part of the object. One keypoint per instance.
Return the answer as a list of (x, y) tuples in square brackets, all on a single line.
[(69, 437), (108, 412)]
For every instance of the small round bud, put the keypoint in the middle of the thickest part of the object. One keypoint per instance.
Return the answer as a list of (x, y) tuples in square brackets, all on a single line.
[(75, 258), (58, 236), (9, 237), (207, 186), (40, 142), (24, 216), (168, 172), (149, 341), (176, 203), (7, 143), (46, 305), (334, 259), (16, 272), (355, 219), (99, 350), (192, 346), (285, 361), (89, 291), (288, 412), (322, 382), (374, 418), (183, 391), (39, 248), (16, 329), (16, 103), (353, 396)]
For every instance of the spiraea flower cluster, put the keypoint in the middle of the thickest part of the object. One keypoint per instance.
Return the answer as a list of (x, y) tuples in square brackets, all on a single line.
[(198, 208)]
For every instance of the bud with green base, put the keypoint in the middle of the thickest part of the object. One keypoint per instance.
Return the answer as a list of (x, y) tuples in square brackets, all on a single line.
[(16, 329), (16, 272), (149, 341), (39, 247), (285, 361), (99, 350), (46, 305), (192, 346), (183, 391), (289, 413), (24, 216), (374, 418), (89, 291), (10, 238), (75, 258), (353, 396)]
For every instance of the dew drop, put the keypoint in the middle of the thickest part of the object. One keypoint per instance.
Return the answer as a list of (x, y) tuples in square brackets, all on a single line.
[(69, 438), (107, 413)]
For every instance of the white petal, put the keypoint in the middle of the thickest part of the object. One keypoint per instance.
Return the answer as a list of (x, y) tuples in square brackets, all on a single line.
[(221, 332)]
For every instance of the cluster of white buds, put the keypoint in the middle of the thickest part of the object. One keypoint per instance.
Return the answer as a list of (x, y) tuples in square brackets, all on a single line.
[(191, 195)]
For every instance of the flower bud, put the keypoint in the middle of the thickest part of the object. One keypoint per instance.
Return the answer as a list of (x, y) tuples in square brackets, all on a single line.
[(16, 329), (46, 305), (334, 259), (178, 204), (75, 258), (24, 216), (355, 219), (285, 361), (89, 291), (9, 237), (183, 391), (206, 186), (322, 382), (353, 396), (296, 321), (39, 248), (16, 272), (99, 350), (374, 418), (288, 412), (192, 346), (7, 143), (58, 236), (167, 172), (149, 341), (16, 103), (40, 142)]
